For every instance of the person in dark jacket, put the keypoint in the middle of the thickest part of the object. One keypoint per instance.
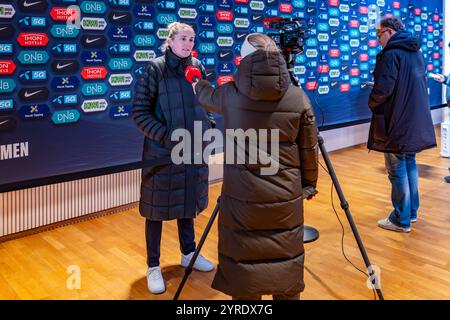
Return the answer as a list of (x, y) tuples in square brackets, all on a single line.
[(164, 102), (401, 119), (261, 220)]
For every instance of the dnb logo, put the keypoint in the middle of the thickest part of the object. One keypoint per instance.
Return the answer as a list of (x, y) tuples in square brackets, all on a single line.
[(93, 41), (32, 5), (65, 116), (34, 94), (65, 66)]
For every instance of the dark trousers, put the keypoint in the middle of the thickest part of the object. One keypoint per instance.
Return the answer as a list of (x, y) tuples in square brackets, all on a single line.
[(153, 230)]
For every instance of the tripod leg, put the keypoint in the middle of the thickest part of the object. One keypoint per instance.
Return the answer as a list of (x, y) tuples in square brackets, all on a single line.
[(345, 207), (188, 270)]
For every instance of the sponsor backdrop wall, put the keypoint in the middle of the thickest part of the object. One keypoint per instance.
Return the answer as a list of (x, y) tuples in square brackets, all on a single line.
[(68, 67)]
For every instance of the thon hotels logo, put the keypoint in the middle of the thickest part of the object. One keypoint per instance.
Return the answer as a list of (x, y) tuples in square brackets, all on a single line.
[(14, 150)]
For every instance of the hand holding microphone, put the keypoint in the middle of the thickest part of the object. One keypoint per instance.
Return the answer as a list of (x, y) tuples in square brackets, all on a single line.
[(193, 75)]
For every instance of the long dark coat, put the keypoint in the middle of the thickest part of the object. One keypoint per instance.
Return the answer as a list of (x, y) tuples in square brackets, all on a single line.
[(164, 101), (261, 220)]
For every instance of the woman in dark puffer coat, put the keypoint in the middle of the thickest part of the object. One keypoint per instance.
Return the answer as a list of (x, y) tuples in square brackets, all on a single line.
[(261, 220), (164, 102)]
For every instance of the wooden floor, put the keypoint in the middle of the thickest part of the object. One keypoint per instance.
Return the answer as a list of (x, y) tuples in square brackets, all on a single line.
[(110, 251)]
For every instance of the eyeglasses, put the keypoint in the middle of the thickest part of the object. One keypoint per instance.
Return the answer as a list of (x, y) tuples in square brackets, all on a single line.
[(380, 33)]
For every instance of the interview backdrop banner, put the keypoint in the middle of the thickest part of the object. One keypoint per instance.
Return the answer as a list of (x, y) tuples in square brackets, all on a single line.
[(68, 67)]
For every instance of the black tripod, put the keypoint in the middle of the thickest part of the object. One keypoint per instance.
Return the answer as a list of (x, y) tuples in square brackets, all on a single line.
[(310, 234), (344, 204), (197, 250)]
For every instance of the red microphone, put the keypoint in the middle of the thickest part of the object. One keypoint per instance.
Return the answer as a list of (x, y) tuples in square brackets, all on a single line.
[(192, 74)]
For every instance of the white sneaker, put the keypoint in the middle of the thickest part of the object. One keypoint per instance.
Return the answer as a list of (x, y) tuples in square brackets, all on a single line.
[(201, 264), (413, 220), (388, 225), (155, 281)]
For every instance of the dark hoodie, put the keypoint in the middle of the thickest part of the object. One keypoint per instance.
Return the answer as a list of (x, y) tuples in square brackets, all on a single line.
[(261, 219), (401, 121)]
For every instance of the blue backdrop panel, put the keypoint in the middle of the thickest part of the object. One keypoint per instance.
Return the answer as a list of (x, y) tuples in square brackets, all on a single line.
[(68, 67)]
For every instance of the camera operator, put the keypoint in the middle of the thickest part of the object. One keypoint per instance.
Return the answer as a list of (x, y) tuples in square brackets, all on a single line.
[(261, 221)]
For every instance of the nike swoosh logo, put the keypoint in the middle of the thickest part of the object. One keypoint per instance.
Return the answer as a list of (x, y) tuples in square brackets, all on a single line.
[(256, 17), (241, 35), (118, 17), (27, 94), (270, 1), (3, 28), (3, 122), (92, 40), (29, 4), (60, 66), (310, 10), (222, 55), (208, 74)]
